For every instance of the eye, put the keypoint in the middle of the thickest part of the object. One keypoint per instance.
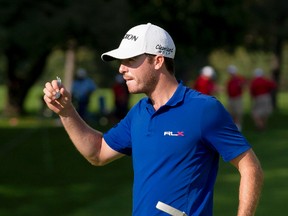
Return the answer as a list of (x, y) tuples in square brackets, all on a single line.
[(131, 59)]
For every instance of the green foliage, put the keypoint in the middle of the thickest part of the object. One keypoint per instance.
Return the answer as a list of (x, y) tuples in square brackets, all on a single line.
[(267, 24), (33, 32), (245, 62), (30, 30), (196, 26)]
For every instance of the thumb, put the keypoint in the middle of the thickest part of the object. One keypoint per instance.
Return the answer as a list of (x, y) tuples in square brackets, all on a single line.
[(64, 92)]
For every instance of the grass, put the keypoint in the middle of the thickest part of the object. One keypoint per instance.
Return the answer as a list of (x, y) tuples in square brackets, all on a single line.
[(271, 148), (41, 173)]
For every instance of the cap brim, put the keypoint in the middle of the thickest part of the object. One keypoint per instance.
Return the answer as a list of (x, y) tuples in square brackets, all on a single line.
[(108, 56), (118, 54)]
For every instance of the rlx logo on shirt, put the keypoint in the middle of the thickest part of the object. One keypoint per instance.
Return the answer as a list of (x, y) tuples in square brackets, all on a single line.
[(170, 133)]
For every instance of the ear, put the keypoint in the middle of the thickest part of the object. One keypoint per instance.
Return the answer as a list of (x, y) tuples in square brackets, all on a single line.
[(158, 61)]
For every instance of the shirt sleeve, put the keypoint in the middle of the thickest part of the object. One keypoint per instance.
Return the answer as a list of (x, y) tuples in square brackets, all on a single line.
[(220, 133), (119, 137)]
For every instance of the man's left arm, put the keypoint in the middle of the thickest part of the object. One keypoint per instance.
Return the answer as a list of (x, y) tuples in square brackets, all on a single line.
[(250, 183)]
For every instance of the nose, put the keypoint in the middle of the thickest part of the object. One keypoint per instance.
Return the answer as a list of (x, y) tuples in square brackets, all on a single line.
[(122, 69)]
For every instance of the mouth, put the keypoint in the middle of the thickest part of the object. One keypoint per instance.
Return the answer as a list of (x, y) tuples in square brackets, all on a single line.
[(127, 79)]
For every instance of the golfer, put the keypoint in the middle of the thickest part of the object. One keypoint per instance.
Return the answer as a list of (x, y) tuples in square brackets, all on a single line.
[(175, 136)]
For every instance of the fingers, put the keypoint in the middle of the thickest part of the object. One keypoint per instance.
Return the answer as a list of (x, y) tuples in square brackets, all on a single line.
[(50, 90), (57, 104), (56, 85)]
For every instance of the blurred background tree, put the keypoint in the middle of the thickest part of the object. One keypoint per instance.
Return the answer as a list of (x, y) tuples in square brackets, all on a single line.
[(267, 30), (31, 30), (198, 27), (34, 32)]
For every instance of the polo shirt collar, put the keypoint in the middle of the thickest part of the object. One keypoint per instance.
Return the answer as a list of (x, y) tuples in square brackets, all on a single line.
[(178, 95), (176, 98)]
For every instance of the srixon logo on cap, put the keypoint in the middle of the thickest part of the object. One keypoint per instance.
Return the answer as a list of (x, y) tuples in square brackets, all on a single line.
[(130, 37)]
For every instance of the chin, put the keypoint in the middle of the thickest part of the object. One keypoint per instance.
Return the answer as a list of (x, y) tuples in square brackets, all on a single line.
[(134, 91)]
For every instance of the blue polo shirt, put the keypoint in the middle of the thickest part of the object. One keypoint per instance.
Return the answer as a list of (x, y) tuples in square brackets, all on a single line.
[(175, 151)]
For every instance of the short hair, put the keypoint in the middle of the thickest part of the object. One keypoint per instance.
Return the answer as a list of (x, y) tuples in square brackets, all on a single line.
[(168, 62)]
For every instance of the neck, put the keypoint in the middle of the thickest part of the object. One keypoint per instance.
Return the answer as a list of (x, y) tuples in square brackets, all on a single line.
[(163, 91)]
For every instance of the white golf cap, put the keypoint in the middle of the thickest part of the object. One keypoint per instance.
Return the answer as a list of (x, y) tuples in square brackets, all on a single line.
[(232, 69), (258, 72), (207, 71), (144, 38)]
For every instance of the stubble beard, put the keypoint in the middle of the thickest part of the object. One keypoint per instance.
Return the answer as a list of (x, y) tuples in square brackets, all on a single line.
[(146, 86)]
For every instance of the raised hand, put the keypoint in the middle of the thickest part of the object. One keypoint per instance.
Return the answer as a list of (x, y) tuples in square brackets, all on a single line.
[(57, 98)]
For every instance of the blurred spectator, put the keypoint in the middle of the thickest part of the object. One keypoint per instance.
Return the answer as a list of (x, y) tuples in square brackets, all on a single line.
[(205, 82), (82, 88), (234, 90), (260, 90), (121, 97)]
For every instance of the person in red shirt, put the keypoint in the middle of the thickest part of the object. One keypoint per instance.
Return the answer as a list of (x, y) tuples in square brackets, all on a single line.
[(260, 91), (234, 89), (205, 82), (121, 97)]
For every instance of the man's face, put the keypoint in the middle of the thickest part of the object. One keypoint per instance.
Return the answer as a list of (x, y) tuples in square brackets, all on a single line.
[(139, 74)]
